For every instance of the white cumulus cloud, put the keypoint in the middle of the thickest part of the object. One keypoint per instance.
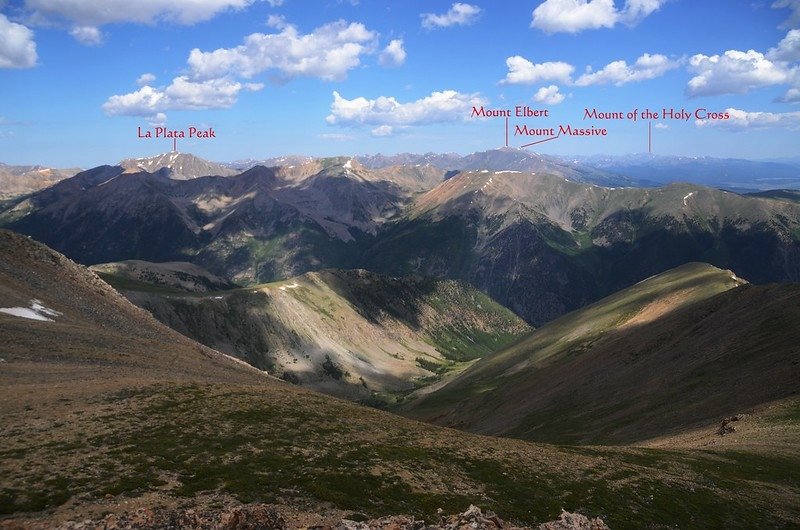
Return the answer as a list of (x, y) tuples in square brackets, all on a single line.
[(734, 72), (648, 66), (158, 120), (97, 13), (277, 21), (459, 14), (788, 49), (439, 107), (636, 10), (549, 95), (573, 16), (17, 47), (792, 96), (87, 35), (394, 54), (145, 79), (181, 94), (337, 137), (741, 119), (328, 52), (620, 72), (523, 71)]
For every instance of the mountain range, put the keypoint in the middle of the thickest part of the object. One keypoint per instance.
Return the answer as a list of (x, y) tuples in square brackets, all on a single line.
[(21, 180), (538, 243), (181, 166), (643, 170), (569, 318), (731, 174)]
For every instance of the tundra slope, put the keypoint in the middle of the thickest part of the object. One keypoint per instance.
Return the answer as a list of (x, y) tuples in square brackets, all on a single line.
[(676, 352), (106, 411), (354, 334), (177, 275)]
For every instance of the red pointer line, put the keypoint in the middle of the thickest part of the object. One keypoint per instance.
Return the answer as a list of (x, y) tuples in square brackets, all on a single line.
[(541, 141), (506, 131), (174, 144), (649, 137)]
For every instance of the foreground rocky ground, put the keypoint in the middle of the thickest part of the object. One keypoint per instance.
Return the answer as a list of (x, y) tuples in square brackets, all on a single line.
[(263, 517)]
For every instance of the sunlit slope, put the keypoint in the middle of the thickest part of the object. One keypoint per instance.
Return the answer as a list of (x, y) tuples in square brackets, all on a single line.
[(350, 333), (676, 351)]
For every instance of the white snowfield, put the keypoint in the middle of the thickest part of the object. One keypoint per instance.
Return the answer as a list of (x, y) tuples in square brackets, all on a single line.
[(293, 285), (36, 311), (684, 199)]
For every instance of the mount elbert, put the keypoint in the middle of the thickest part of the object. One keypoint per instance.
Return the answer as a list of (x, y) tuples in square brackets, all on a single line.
[(651, 326)]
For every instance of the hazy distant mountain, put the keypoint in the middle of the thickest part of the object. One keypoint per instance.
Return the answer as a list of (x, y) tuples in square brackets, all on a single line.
[(19, 180), (727, 173), (508, 159), (784, 195), (445, 161), (182, 166), (282, 161)]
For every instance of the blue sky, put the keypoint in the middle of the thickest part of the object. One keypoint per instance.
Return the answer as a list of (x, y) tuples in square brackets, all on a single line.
[(330, 77)]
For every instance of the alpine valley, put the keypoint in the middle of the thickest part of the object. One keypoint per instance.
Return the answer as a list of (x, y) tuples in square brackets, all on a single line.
[(316, 342)]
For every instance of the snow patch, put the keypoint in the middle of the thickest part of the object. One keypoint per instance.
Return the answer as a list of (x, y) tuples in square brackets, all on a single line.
[(36, 311), (507, 171), (685, 198), (290, 286), (348, 164)]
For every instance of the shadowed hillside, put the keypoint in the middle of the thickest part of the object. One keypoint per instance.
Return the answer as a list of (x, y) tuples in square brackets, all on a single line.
[(680, 350), (354, 334)]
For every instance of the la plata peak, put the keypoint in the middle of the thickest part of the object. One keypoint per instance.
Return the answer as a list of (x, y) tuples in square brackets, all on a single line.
[(164, 132)]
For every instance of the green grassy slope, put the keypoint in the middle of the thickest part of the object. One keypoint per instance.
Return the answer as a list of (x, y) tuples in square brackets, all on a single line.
[(213, 444), (679, 350)]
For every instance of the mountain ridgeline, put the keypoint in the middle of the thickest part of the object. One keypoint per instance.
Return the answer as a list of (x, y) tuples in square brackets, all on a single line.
[(671, 353), (542, 240), (353, 334)]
